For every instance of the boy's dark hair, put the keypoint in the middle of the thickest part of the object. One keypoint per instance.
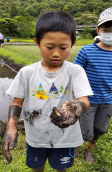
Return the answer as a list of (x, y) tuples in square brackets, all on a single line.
[(106, 24), (54, 21)]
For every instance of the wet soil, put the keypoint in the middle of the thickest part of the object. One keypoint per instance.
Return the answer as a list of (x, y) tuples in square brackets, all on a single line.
[(3, 124), (12, 64)]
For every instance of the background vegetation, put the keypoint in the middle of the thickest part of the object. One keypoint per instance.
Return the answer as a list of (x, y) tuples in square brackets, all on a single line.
[(17, 18), (31, 54)]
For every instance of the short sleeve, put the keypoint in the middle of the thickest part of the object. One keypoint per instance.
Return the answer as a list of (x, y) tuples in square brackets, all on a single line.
[(81, 86), (16, 88), (81, 58)]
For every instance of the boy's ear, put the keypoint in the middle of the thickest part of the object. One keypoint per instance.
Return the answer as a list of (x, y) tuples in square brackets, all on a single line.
[(74, 43), (35, 39), (97, 30)]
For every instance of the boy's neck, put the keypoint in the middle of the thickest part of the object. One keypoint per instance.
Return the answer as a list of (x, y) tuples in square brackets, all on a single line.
[(50, 68), (105, 46)]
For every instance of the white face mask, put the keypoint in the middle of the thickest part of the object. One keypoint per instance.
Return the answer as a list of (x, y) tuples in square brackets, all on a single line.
[(106, 38)]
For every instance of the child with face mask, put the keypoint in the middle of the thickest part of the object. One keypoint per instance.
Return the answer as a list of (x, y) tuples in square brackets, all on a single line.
[(96, 59)]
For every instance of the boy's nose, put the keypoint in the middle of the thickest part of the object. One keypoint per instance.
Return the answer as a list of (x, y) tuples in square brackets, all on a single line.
[(56, 53)]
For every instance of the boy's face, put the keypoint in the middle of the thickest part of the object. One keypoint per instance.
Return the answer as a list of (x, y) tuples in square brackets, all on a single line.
[(105, 36), (104, 30), (55, 48)]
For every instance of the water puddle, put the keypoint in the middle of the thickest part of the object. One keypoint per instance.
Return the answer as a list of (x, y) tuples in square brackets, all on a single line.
[(7, 75)]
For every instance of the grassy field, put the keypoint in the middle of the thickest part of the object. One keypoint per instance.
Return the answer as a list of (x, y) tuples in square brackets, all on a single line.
[(78, 41), (20, 40), (30, 54), (102, 151)]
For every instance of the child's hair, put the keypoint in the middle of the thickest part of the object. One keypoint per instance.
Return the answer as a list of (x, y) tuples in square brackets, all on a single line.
[(55, 21), (106, 24)]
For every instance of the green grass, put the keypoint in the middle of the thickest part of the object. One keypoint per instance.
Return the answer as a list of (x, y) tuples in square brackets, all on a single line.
[(20, 40), (31, 40), (19, 56), (84, 41), (30, 54)]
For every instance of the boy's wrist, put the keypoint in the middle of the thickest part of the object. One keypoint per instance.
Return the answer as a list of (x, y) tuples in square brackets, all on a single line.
[(14, 114), (83, 105)]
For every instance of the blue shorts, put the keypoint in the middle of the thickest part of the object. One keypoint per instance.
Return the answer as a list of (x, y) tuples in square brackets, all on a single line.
[(59, 158)]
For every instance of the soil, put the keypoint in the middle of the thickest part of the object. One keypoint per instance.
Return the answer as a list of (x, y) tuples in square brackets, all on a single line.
[(12, 64), (3, 124)]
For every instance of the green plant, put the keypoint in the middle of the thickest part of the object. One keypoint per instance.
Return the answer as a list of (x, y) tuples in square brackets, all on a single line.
[(89, 36)]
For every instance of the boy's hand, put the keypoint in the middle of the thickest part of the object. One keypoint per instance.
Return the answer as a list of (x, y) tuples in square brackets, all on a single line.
[(68, 114), (11, 135), (9, 140)]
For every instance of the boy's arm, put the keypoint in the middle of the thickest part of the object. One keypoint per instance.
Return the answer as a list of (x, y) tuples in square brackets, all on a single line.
[(85, 103), (11, 135), (69, 112)]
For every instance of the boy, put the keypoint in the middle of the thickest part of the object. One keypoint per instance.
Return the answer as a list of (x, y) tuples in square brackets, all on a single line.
[(8, 39), (44, 86), (96, 59)]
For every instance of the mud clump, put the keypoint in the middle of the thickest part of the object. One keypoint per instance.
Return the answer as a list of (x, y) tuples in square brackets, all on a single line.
[(12, 64), (67, 115)]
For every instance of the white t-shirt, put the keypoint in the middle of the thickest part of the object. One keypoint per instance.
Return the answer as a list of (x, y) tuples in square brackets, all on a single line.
[(41, 92)]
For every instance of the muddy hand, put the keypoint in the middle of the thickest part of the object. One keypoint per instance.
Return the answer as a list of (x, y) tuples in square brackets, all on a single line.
[(11, 135), (9, 141), (77, 107), (55, 116), (68, 114)]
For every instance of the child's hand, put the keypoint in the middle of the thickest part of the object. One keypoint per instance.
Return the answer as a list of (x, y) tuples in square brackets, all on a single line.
[(68, 114), (11, 135), (9, 140)]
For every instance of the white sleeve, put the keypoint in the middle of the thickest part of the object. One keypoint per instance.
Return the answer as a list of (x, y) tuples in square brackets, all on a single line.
[(81, 86), (16, 88)]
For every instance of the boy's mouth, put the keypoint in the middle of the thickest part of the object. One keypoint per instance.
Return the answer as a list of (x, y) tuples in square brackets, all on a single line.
[(55, 61)]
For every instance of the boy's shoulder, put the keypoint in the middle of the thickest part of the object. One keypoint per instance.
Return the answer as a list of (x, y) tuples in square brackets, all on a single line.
[(94, 48), (89, 46), (30, 67), (71, 65)]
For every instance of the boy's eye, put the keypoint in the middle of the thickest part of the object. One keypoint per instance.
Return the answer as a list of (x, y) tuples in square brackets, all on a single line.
[(105, 30), (49, 48), (63, 48)]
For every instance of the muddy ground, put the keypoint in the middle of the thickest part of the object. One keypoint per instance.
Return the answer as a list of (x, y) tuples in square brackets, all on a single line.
[(12, 64), (3, 124)]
